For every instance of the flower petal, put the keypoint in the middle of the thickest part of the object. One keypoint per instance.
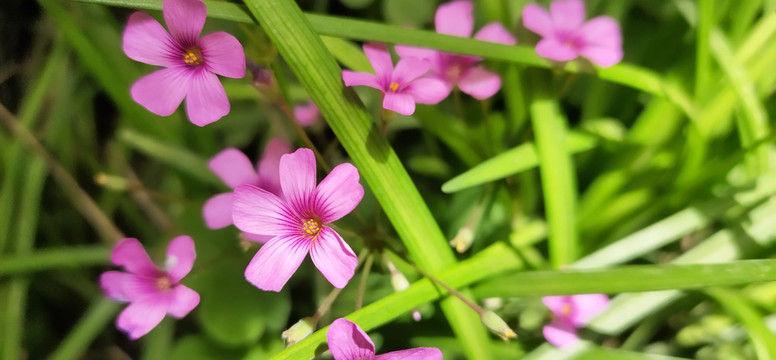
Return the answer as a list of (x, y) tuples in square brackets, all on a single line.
[(223, 54), (560, 333), (112, 284), (261, 239), (587, 306), (553, 49), (182, 301), (497, 33), (401, 103), (142, 316), (206, 100), (162, 90), (338, 194), (454, 18), (479, 83), (269, 166), (217, 211), (307, 114), (233, 167), (138, 287), (276, 261), (416, 52), (538, 20), (297, 178), (185, 19), (348, 342), (557, 304), (604, 41), (602, 56), (258, 211), (352, 78), (567, 14), (429, 90), (333, 257), (380, 59), (180, 257), (422, 353), (130, 254), (145, 40), (409, 69)]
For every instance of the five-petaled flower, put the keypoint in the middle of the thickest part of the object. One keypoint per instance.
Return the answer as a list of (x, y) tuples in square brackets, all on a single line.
[(191, 63), (235, 169), (566, 35), (348, 342), (298, 222), (402, 86), (455, 18), (151, 292), (571, 312)]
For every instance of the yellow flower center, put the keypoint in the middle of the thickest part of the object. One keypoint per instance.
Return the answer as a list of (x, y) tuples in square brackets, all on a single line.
[(312, 227), (193, 56), (394, 86), (164, 283), (566, 309)]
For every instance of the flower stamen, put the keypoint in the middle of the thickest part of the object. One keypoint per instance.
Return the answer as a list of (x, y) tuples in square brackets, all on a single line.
[(312, 227), (193, 56), (394, 86), (164, 283)]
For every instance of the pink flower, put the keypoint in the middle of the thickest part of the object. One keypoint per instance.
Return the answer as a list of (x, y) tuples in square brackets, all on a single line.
[(571, 312), (348, 342), (191, 63), (235, 169), (151, 292), (307, 114), (402, 86), (298, 222), (455, 18), (566, 35)]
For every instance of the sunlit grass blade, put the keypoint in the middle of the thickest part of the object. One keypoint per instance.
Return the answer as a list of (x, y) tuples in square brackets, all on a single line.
[(513, 161), (347, 53), (753, 123), (491, 261), (763, 339), (376, 161), (635, 278), (558, 177)]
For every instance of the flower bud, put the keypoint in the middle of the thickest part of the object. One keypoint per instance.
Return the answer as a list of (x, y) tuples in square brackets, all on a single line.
[(297, 332), (112, 182), (463, 239), (496, 325)]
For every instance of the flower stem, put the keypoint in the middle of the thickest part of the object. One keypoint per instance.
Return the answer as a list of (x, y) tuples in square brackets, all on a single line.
[(479, 310), (82, 201), (362, 281)]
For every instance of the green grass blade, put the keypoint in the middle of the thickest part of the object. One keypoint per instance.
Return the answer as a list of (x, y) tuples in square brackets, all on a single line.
[(491, 261), (753, 123), (92, 324), (55, 258), (513, 161), (376, 161), (176, 157), (763, 339), (636, 278), (558, 177)]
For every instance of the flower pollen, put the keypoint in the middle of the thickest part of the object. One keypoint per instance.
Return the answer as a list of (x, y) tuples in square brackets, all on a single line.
[(193, 56), (312, 227), (164, 283), (566, 309), (394, 86)]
